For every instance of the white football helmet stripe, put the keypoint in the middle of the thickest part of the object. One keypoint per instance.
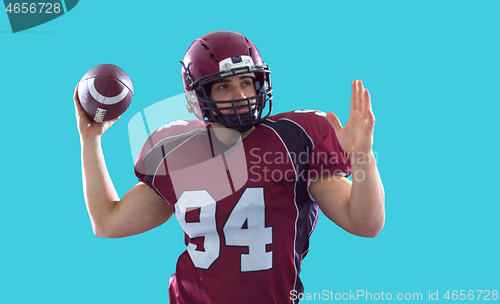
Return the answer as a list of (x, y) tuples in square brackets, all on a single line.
[(103, 99), (227, 64)]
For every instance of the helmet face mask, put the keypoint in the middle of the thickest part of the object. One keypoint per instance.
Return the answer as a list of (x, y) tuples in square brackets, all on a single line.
[(204, 65)]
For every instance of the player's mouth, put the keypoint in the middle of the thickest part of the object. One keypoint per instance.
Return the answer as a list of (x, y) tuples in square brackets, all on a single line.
[(240, 109)]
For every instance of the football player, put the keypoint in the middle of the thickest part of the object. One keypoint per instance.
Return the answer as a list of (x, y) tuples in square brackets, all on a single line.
[(245, 186)]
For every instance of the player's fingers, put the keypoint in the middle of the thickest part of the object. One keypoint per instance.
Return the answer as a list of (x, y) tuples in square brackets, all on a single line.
[(353, 96), (367, 99), (360, 86), (80, 114), (75, 94), (369, 111), (334, 121), (78, 106), (359, 95), (370, 118), (359, 91), (109, 123)]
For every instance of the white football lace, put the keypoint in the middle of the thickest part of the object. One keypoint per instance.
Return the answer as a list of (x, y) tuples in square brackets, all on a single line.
[(99, 115)]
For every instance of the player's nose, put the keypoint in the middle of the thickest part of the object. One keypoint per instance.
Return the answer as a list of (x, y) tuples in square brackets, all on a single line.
[(238, 93)]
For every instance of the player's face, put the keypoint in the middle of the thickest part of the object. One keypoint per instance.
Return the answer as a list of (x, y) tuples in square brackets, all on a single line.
[(232, 88)]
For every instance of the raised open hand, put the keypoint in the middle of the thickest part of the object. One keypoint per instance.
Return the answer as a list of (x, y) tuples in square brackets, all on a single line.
[(357, 134)]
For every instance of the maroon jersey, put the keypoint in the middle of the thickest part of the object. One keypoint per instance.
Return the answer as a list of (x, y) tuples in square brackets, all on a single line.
[(246, 209)]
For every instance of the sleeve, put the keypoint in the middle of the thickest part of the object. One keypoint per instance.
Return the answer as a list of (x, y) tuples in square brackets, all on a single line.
[(142, 169), (327, 156), (150, 162)]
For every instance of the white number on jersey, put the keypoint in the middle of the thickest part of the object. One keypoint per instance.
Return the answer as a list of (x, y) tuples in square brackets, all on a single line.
[(250, 209), (244, 227), (206, 227)]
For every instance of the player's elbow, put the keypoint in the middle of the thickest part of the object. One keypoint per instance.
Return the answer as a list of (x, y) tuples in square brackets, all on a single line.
[(100, 235), (369, 228), (372, 234), (108, 233), (368, 234), (101, 231), (104, 226), (374, 230)]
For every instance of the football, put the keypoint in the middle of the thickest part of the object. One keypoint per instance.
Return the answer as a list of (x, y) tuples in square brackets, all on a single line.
[(105, 92)]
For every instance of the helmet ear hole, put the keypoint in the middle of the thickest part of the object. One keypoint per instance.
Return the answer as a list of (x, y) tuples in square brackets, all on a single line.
[(193, 106), (256, 83)]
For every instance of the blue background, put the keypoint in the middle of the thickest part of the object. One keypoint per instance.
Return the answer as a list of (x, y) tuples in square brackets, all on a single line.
[(431, 68)]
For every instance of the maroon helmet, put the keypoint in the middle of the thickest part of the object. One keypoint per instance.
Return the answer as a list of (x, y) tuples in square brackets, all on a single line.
[(219, 55)]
